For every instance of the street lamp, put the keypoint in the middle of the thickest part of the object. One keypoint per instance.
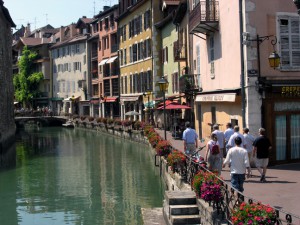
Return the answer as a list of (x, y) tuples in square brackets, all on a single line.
[(163, 86), (148, 93)]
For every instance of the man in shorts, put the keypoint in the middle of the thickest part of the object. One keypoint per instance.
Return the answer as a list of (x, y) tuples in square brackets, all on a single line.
[(190, 139), (262, 147)]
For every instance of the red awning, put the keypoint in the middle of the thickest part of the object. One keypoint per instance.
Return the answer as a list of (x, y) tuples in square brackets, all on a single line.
[(94, 101), (174, 106), (168, 102), (109, 99)]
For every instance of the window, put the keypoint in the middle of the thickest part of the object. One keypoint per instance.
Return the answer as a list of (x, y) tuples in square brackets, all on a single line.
[(164, 55), (125, 56), (289, 34), (134, 53), (121, 85), (100, 24), (130, 87), (175, 82), (147, 48), (125, 85), (112, 20), (147, 19), (77, 47)]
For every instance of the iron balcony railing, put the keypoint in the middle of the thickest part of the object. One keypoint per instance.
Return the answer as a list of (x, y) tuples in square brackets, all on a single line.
[(204, 12)]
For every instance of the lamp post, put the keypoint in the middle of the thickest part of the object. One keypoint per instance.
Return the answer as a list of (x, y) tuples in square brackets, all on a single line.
[(163, 86), (274, 62), (148, 93)]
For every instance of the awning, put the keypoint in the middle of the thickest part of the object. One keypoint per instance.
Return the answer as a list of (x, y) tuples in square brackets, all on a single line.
[(112, 59), (109, 99), (103, 62), (16, 103), (94, 101), (130, 97), (174, 106), (71, 98), (228, 97)]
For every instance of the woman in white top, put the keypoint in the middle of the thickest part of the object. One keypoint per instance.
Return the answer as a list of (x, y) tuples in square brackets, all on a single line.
[(213, 160)]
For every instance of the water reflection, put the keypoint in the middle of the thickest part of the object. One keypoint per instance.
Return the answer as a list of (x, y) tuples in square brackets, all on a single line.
[(78, 177)]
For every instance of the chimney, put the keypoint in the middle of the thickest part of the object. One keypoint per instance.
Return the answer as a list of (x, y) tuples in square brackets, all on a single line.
[(84, 17), (105, 8), (73, 30), (62, 33), (27, 30)]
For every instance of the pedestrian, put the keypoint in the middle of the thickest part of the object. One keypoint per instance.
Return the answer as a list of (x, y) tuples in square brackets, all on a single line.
[(238, 161), (213, 156), (190, 139), (261, 147), (221, 139), (227, 134), (236, 133), (249, 139)]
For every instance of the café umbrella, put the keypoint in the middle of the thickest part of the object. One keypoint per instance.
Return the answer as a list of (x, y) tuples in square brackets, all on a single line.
[(132, 113)]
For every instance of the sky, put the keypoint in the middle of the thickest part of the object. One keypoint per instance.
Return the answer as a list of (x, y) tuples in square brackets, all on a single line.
[(54, 12)]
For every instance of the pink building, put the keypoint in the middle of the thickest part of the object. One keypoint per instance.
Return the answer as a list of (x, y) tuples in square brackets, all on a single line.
[(231, 44), (108, 62)]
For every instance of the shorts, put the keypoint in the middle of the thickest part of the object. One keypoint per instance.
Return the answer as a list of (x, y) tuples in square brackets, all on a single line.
[(190, 149), (263, 162)]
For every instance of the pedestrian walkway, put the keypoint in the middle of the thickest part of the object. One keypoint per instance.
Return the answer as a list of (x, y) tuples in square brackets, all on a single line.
[(281, 189)]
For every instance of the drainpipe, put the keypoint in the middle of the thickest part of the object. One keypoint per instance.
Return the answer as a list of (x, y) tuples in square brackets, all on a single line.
[(242, 63)]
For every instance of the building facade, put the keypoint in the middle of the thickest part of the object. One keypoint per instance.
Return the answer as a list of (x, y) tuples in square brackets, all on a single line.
[(108, 62), (70, 68), (7, 122), (232, 42)]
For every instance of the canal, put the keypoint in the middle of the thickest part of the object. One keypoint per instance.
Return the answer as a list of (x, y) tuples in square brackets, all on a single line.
[(78, 177)]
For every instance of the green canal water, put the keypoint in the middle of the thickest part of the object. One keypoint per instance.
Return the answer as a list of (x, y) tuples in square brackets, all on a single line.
[(78, 177)]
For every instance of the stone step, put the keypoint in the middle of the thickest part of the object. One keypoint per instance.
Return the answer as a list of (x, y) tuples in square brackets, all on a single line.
[(180, 197), (184, 210), (186, 219)]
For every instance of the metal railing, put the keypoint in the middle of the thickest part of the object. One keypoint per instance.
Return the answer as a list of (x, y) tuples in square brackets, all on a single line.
[(231, 197)]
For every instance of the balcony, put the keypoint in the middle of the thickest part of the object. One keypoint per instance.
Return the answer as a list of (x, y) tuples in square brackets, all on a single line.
[(204, 18), (179, 51), (190, 83)]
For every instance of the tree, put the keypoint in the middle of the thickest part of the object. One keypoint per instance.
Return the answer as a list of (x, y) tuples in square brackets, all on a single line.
[(26, 82)]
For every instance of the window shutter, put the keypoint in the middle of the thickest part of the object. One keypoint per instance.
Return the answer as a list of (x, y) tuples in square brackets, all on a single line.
[(295, 42), (167, 57)]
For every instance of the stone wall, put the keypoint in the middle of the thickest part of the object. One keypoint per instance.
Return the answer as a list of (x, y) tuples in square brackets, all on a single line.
[(7, 124)]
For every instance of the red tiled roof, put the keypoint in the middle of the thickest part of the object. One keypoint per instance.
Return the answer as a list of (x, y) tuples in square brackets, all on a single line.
[(35, 41)]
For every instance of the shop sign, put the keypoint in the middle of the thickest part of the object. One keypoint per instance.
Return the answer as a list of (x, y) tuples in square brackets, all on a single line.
[(216, 98), (290, 91)]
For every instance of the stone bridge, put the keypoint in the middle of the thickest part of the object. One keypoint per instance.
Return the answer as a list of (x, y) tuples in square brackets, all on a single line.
[(40, 121)]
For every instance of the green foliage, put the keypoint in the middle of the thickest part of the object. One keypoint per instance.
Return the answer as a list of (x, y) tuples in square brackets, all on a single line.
[(26, 83)]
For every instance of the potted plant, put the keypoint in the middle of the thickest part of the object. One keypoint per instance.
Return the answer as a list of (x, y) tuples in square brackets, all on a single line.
[(110, 122), (207, 186), (163, 148), (253, 214), (176, 160), (137, 125), (154, 139), (118, 124)]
